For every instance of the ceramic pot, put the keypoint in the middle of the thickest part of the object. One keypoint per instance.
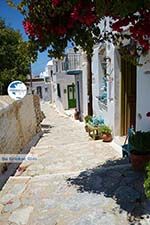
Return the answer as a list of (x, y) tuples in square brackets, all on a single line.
[(77, 115), (139, 161), (106, 137), (86, 128)]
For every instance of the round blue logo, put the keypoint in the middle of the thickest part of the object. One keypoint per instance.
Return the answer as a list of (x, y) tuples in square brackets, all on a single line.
[(17, 90)]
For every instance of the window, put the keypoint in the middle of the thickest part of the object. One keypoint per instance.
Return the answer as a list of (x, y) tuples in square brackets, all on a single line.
[(56, 66), (58, 91), (47, 79), (46, 89)]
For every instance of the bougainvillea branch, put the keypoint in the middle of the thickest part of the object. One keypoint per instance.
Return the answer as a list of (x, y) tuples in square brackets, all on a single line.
[(54, 22), (138, 27)]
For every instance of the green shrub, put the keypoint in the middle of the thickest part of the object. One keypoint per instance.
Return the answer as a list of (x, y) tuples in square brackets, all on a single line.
[(140, 142), (147, 182), (87, 118), (104, 129)]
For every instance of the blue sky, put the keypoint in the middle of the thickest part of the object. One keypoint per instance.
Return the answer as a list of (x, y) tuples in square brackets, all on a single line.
[(14, 19)]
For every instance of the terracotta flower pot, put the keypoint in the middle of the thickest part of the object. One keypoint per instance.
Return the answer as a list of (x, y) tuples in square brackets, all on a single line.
[(77, 115), (106, 137), (139, 161), (86, 128)]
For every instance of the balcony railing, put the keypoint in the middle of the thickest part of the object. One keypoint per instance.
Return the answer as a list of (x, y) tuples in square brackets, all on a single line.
[(72, 62)]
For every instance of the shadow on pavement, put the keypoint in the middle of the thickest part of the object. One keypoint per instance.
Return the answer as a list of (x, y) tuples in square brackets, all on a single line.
[(116, 179)]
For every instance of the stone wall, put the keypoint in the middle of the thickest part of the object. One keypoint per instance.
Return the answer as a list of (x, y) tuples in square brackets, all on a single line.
[(19, 122), (39, 114)]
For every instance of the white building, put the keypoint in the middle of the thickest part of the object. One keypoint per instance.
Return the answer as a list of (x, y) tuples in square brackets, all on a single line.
[(66, 82), (120, 90), (40, 85)]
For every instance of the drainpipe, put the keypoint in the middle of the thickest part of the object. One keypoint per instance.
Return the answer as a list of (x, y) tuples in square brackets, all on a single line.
[(30, 74), (89, 79)]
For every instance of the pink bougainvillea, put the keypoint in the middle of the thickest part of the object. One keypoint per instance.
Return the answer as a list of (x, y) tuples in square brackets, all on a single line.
[(81, 12), (56, 2), (138, 25), (29, 28), (46, 20)]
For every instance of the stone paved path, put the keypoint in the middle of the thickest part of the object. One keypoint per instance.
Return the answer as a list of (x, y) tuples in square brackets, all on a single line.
[(74, 181)]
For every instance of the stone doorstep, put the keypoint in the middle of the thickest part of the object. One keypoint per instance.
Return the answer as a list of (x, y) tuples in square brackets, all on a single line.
[(119, 140), (117, 143), (40, 147), (116, 147), (24, 179), (100, 169)]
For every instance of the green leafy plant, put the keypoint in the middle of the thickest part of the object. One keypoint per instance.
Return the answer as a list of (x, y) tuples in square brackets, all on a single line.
[(87, 118), (140, 142), (147, 181), (104, 129)]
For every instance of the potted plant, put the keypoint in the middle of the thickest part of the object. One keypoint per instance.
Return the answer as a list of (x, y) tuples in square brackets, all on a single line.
[(140, 149), (87, 119), (106, 133), (76, 115)]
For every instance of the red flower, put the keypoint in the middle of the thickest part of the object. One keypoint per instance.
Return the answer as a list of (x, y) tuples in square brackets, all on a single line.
[(88, 19), (60, 30), (70, 23), (28, 27), (56, 2), (75, 14)]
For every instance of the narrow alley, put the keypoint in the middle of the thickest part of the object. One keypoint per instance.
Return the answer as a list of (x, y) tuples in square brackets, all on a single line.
[(74, 181)]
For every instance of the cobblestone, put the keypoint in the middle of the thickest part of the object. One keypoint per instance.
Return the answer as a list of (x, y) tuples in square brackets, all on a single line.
[(74, 181), (21, 216)]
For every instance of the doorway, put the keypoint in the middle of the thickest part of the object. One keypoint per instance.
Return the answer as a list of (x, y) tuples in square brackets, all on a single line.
[(39, 91), (128, 96), (71, 96)]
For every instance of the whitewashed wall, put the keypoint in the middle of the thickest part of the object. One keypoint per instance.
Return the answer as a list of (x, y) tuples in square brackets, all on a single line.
[(117, 93), (46, 96), (143, 95), (108, 113), (64, 80), (84, 83), (97, 80)]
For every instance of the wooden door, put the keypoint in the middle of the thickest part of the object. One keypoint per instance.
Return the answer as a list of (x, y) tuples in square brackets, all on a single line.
[(128, 96)]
